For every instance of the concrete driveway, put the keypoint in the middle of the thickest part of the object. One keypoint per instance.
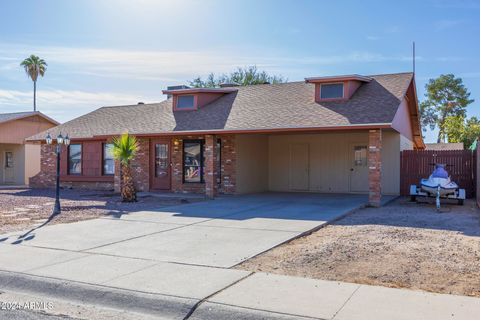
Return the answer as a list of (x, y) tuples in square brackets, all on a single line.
[(184, 251)]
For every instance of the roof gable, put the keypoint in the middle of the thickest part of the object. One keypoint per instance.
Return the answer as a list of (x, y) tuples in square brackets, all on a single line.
[(5, 117)]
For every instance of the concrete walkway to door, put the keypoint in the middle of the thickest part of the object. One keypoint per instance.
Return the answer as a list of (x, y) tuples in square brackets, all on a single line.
[(184, 252)]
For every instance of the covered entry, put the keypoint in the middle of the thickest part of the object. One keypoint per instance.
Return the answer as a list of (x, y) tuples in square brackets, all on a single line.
[(332, 162)]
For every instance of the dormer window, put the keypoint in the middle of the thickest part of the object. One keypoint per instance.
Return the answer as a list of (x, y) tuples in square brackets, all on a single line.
[(336, 87), (190, 99), (185, 102), (331, 91)]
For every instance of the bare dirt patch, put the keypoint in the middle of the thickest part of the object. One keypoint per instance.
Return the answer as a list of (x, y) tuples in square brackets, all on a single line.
[(402, 245), (21, 209)]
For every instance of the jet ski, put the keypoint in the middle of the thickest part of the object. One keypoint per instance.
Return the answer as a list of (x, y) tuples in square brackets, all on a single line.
[(439, 182)]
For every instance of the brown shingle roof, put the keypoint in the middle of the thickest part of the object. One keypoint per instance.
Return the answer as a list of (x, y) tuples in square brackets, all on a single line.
[(5, 117), (268, 106)]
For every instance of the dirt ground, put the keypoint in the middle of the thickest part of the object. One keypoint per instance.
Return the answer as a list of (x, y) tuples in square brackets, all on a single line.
[(403, 245), (21, 209)]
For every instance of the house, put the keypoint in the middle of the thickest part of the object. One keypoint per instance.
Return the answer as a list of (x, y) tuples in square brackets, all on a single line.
[(338, 134), (444, 146), (20, 161)]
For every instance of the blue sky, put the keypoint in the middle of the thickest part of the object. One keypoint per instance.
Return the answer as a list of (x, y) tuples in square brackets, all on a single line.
[(111, 52)]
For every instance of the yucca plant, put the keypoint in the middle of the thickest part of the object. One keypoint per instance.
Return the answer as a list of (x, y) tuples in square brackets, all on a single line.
[(124, 149), (34, 66)]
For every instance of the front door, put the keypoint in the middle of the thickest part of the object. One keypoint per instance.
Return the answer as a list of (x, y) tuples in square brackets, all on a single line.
[(9, 167), (299, 167), (358, 168), (160, 168)]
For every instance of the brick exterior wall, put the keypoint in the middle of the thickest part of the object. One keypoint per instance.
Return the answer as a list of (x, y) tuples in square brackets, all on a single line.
[(177, 167), (210, 175), (141, 168), (228, 166), (48, 168), (374, 167)]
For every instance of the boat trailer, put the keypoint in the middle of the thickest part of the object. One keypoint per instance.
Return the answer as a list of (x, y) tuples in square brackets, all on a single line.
[(416, 191)]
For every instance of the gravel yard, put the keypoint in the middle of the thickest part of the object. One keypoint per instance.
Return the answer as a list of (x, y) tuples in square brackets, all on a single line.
[(404, 245), (21, 209)]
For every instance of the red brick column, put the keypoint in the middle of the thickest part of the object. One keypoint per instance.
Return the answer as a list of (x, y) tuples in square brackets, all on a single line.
[(374, 167), (48, 168), (210, 174), (140, 165), (228, 165)]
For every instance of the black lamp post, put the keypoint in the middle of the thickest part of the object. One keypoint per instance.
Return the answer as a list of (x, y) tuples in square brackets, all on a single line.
[(60, 140)]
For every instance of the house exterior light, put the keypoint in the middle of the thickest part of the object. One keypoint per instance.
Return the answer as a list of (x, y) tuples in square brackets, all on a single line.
[(49, 139), (60, 139), (58, 150), (66, 140)]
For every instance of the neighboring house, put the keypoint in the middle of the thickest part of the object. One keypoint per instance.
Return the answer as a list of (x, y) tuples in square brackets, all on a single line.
[(339, 134), (444, 146), (20, 161)]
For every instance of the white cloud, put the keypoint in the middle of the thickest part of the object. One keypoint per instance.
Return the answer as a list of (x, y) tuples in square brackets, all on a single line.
[(442, 25), (373, 38), (172, 66), (64, 105)]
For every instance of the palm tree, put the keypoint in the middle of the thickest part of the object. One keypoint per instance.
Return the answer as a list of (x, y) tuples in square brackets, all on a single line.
[(34, 66), (124, 149)]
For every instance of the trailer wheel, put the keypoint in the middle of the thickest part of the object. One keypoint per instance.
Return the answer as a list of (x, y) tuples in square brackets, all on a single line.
[(460, 202), (413, 198)]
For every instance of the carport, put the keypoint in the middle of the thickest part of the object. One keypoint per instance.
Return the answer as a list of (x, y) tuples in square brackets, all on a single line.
[(321, 162)]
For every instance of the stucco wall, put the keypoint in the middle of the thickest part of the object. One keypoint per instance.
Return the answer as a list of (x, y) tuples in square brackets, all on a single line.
[(390, 162), (16, 131), (252, 163), (330, 160), (18, 162), (32, 161), (405, 143)]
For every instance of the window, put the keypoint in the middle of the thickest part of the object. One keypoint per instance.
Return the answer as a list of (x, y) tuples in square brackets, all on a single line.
[(360, 153), (161, 160), (75, 159), (8, 159), (185, 102), (108, 161), (331, 91), (193, 161)]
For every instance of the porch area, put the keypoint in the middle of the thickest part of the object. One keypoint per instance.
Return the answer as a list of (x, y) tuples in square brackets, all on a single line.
[(17, 163)]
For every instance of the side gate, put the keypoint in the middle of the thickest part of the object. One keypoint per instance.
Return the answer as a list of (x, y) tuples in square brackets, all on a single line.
[(418, 164)]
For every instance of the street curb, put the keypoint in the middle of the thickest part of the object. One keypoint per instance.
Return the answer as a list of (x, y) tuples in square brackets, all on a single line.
[(130, 301), (211, 310)]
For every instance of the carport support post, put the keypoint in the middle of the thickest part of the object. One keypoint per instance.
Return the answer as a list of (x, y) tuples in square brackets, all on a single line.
[(210, 176), (374, 167)]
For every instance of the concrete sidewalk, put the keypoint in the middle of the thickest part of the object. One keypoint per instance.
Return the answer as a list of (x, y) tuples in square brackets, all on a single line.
[(255, 296)]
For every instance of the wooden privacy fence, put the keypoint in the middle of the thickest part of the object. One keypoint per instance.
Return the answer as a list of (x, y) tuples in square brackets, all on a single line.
[(417, 164)]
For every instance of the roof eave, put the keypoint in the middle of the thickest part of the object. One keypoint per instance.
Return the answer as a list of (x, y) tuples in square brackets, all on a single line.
[(350, 77), (200, 90), (365, 126)]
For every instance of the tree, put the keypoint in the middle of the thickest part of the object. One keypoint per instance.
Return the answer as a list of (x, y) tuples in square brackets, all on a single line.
[(124, 149), (446, 97), (463, 130), (34, 66), (455, 128), (242, 77)]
